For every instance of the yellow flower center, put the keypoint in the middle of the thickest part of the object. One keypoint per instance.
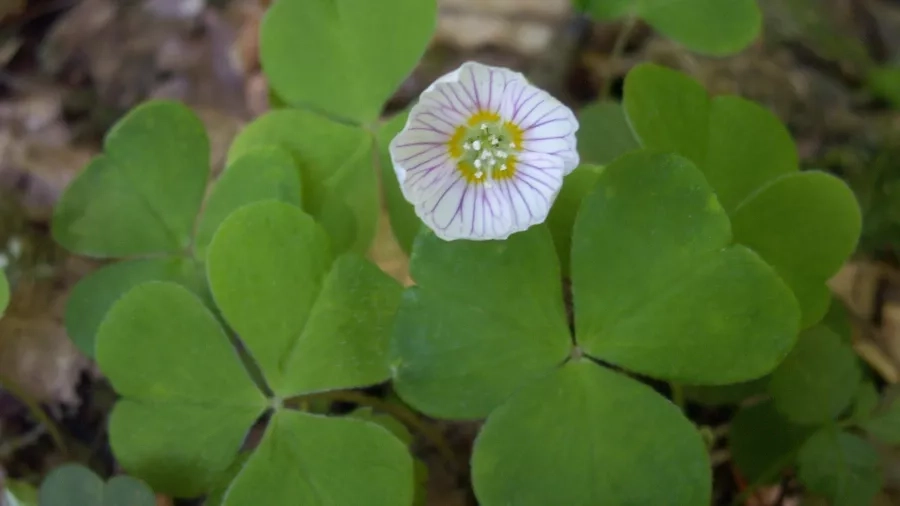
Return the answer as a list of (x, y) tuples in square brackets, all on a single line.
[(486, 148)]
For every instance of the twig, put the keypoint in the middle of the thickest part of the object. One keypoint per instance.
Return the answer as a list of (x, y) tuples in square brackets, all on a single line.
[(36, 411), (617, 51)]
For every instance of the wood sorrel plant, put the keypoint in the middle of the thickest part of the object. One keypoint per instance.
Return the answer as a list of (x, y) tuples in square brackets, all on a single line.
[(696, 250)]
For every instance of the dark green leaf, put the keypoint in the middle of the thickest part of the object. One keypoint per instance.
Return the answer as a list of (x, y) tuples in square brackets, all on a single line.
[(818, 379), (764, 443), (143, 194), (884, 425), (4, 292), (309, 459), (76, 485), (604, 133), (404, 222), (187, 399), (584, 435), (722, 395), (486, 317), (841, 466), (562, 215), (659, 287)]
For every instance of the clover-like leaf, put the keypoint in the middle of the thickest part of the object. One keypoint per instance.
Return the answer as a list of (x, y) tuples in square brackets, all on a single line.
[(187, 400), (94, 295), (660, 289), (350, 56), (604, 133), (404, 222), (764, 443), (311, 459), (884, 424), (712, 27), (805, 225), (76, 485), (562, 215), (584, 435), (340, 187), (840, 466), (312, 325), (485, 317), (142, 194), (818, 379), (265, 173)]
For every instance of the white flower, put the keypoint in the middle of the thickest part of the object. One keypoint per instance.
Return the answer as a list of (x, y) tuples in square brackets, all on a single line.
[(483, 154)]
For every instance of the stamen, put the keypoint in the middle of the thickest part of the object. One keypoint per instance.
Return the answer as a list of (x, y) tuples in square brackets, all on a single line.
[(467, 146), (476, 144), (503, 167), (479, 174), (477, 164)]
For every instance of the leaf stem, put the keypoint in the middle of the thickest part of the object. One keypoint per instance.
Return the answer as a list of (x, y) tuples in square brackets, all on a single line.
[(36, 411), (617, 51), (397, 411)]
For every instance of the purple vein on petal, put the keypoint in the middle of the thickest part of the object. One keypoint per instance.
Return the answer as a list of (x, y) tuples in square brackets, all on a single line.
[(551, 111)]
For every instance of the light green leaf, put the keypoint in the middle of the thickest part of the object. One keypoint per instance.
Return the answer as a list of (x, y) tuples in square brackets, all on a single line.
[(93, 295), (404, 222), (216, 496), (345, 341), (4, 292), (562, 215), (650, 232), (486, 317), (668, 111), (310, 459), (818, 379), (350, 56), (265, 173), (277, 253), (604, 134), (584, 435), (187, 399), (884, 425), (735, 165), (805, 225), (76, 485), (340, 187), (18, 493), (764, 443), (143, 194), (841, 466)]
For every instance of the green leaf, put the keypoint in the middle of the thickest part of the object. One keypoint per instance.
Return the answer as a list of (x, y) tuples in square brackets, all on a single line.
[(668, 111), (818, 379), (340, 187), (841, 466), (764, 443), (18, 493), (864, 403), (735, 165), (723, 395), (309, 459), (712, 27), (4, 292), (884, 425), (266, 173), (838, 320), (277, 253), (216, 496), (562, 215), (884, 82), (345, 341), (76, 485), (404, 222), (486, 317), (187, 401), (93, 295), (660, 289), (604, 133), (143, 194), (584, 435), (805, 225), (350, 56)]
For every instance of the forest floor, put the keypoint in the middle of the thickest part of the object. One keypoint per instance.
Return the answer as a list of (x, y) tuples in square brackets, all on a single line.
[(71, 68)]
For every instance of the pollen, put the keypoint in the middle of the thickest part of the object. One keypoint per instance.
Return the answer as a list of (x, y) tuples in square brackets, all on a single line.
[(485, 148)]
